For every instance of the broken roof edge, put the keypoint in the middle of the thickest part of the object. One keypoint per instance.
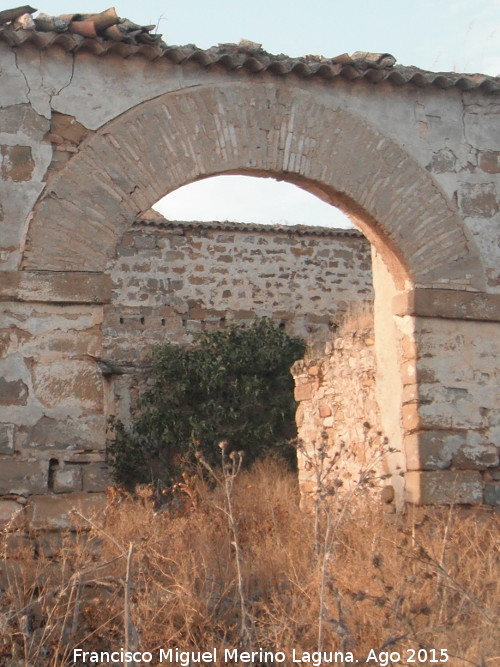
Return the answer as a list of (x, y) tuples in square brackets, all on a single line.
[(160, 222), (106, 33)]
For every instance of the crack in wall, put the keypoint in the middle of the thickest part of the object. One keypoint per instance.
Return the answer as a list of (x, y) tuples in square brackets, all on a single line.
[(18, 67), (66, 85)]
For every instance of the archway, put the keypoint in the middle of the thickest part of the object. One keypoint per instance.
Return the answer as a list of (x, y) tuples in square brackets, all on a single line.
[(281, 131), (162, 144)]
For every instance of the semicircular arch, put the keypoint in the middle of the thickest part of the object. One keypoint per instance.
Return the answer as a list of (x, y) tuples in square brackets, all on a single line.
[(265, 129)]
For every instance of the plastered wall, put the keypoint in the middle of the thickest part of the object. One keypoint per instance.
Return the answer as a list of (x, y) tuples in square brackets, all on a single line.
[(92, 135)]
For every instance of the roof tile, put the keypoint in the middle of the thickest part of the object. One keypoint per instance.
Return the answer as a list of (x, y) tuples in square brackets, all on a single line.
[(105, 33)]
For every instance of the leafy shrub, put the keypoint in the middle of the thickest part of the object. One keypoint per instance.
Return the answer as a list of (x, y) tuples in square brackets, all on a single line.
[(234, 383)]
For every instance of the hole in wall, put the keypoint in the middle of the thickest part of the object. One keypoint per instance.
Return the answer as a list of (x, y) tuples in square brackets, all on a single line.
[(53, 467)]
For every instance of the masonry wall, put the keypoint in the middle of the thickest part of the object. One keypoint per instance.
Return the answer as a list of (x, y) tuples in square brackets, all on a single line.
[(173, 280), (169, 282), (341, 442), (91, 139), (339, 415)]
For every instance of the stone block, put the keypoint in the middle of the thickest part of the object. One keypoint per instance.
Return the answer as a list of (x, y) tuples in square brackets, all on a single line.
[(489, 161), (431, 450), (325, 410), (387, 494), (17, 163), (478, 200), (86, 432), (411, 418), (22, 117), (49, 544), (7, 432), (18, 544), (303, 392), (492, 493), (450, 304), (53, 512), (145, 241), (67, 128), (14, 392), (96, 477), (12, 515), (476, 458), (444, 487), (55, 286), (31, 574), (23, 477), (67, 479), (71, 382)]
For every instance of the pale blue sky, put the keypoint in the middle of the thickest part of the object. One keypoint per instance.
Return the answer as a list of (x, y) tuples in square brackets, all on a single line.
[(438, 35)]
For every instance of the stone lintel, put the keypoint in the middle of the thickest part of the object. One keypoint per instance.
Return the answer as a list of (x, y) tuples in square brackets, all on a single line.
[(55, 286), (448, 304)]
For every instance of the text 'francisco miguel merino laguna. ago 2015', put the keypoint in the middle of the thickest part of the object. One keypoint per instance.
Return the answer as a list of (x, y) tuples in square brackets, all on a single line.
[(175, 656), (233, 656)]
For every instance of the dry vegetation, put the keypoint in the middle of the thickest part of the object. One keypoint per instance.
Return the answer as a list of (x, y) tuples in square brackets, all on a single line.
[(152, 579)]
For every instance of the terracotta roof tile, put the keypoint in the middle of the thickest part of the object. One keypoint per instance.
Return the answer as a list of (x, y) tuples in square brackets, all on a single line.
[(107, 33), (154, 219)]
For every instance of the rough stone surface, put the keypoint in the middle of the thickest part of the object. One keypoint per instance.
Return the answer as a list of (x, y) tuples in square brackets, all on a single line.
[(444, 487), (54, 287), (12, 515), (96, 477), (492, 493), (67, 479), (338, 411), (23, 477), (14, 392), (17, 163), (7, 438), (174, 275), (54, 512)]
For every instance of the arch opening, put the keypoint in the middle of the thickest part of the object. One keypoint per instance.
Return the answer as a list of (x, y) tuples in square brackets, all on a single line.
[(267, 130), (250, 199)]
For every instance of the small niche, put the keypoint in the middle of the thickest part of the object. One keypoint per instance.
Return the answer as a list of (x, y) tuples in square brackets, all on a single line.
[(53, 466)]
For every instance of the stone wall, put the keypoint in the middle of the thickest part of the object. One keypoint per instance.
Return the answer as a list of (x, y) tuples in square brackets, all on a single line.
[(168, 282), (339, 412), (93, 134), (338, 417), (172, 280)]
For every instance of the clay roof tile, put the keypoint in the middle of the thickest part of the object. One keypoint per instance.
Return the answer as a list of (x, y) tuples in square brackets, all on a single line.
[(105, 32)]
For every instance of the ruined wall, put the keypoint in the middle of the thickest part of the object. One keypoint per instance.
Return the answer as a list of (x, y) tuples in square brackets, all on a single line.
[(168, 282), (93, 133), (173, 280), (338, 417), (339, 411)]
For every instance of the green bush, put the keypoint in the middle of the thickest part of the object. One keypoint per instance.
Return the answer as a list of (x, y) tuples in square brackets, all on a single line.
[(234, 383)]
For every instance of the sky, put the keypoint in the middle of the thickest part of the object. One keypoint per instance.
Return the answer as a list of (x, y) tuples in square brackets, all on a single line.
[(436, 35)]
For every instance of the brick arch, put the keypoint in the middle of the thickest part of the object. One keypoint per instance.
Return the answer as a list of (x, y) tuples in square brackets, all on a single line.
[(267, 129)]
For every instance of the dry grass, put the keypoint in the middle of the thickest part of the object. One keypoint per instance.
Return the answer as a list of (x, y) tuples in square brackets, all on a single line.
[(396, 584)]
